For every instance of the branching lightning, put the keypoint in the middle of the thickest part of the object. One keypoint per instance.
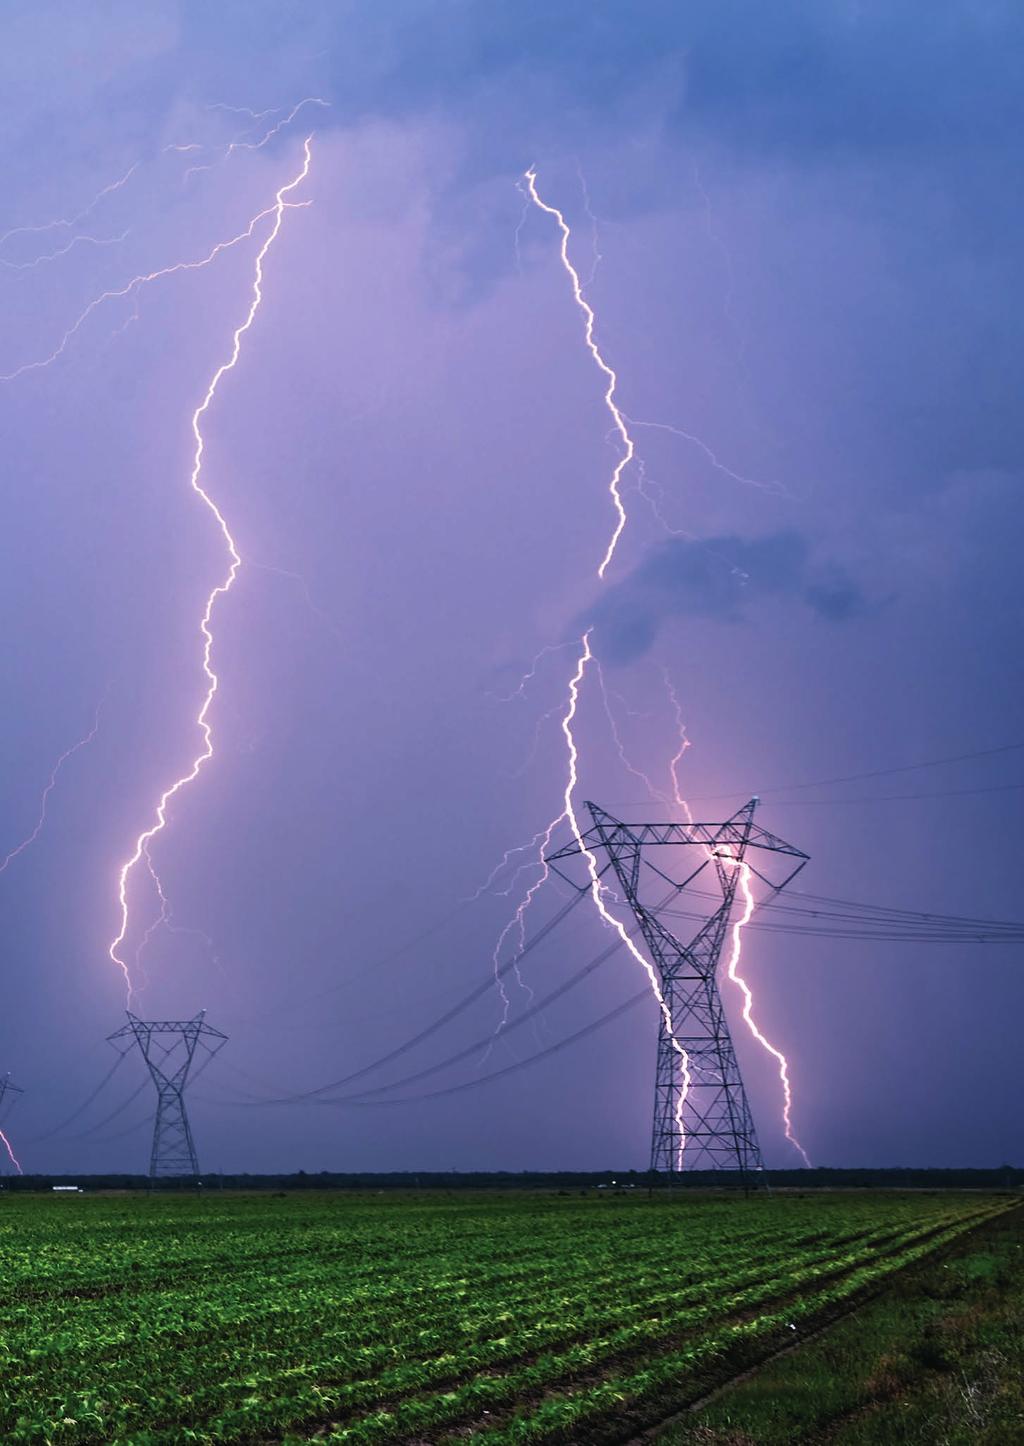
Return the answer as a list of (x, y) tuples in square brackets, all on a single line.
[(585, 657), (67, 223), (620, 427), (620, 747), (137, 282), (80, 240), (50, 785), (281, 204)]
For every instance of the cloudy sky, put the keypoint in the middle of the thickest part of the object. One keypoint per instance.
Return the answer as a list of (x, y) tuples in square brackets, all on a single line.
[(800, 232)]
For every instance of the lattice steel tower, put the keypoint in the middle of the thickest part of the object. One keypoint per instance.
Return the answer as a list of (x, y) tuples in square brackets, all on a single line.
[(707, 1124), (174, 1152), (8, 1094)]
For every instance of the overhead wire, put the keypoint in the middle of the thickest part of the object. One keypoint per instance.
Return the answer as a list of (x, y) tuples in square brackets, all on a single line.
[(617, 943), (858, 777), (445, 1018), (81, 1109), (359, 1101)]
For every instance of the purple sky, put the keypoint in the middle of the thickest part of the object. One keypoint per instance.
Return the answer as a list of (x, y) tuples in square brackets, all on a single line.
[(809, 234)]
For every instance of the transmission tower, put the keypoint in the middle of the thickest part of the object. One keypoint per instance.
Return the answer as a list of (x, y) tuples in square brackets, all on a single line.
[(705, 1124), (168, 1046), (7, 1090)]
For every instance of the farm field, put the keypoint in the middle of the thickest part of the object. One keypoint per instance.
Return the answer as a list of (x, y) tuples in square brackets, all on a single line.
[(937, 1357), (420, 1318)]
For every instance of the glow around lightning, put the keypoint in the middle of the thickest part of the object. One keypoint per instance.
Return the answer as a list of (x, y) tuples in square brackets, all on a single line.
[(205, 753), (748, 1005)]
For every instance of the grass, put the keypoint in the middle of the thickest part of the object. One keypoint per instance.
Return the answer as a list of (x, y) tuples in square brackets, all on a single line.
[(152, 1321), (937, 1360)]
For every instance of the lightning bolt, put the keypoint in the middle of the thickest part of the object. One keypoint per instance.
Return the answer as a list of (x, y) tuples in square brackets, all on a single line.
[(736, 933), (10, 1153), (620, 427), (748, 1005), (4, 1141), (281, 204), (268, 135), (589, 322), (46, 256), (163, 918), (682, 745), (137, 282), (585, 657), (597, 891), (775, 489), (71, 221), (620, 747), (50, 786)]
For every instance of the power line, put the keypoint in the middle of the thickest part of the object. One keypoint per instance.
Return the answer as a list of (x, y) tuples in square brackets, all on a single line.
[(516, 1023), (361, 1101), (439, 1023), (57, 1129), (858, 777), (85, 1134), (893, 797)]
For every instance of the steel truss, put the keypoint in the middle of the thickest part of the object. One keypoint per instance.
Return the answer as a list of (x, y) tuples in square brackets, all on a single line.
[(174, 1153), (6, 1089), (705, 1124)]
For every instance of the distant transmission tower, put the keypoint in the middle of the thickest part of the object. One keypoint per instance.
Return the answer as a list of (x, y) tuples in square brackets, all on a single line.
[(6, 1090), (174, 1152), (707, 1125)]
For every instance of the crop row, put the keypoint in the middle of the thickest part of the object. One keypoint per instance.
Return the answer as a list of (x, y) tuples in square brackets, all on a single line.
[(371, 1316)]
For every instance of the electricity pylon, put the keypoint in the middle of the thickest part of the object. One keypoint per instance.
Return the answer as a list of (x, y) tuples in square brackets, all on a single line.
[(704, 1123), (174, 1152), (6, 1088)]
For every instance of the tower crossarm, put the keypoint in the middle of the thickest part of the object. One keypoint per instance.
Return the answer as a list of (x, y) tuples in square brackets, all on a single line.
[(168, 1047), (702, 1118)]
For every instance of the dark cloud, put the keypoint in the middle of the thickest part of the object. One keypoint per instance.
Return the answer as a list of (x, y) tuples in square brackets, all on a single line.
[(717, 577)]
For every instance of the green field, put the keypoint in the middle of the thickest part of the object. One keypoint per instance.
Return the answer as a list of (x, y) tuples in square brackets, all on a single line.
[(359, 1318)]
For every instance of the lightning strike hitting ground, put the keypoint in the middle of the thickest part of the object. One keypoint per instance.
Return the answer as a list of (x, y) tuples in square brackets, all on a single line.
[(586, 656), (51, 784), (748, 1005), (738, 925), (620, 427), (235, 560)]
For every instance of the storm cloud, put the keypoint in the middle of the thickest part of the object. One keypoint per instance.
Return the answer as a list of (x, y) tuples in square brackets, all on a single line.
[(721, 578)]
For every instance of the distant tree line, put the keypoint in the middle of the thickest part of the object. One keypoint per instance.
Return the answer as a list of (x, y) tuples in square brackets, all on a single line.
[(1005, 1177)]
